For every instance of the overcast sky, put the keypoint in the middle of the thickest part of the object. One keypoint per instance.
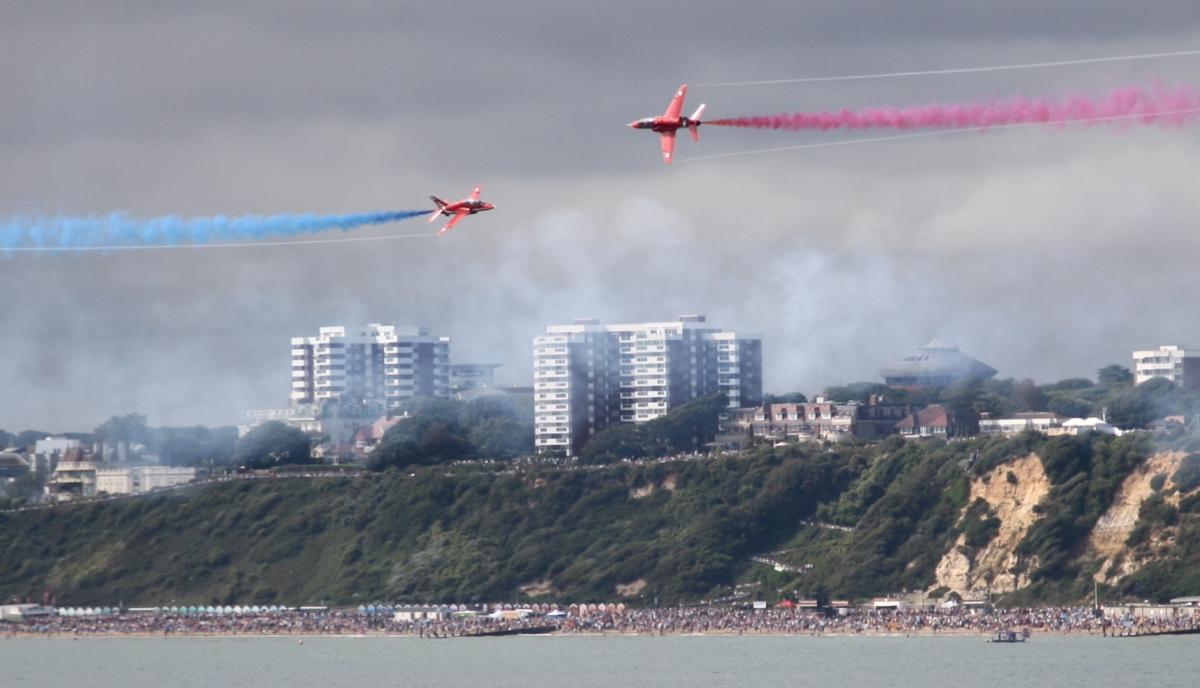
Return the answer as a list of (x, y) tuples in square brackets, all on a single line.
[(1044, 253)]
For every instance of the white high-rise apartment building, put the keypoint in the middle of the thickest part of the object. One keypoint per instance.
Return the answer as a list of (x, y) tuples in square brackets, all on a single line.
[(588, 377), (1173, 363), (372, 364)]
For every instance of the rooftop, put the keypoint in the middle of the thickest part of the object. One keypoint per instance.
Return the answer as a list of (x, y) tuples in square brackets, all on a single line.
[(937, 362)]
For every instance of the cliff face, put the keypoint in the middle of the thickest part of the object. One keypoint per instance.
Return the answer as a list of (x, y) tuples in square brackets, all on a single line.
[(1015, 493), (1011, 491)]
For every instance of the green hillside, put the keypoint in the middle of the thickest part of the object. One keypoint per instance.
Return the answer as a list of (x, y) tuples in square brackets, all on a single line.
[(675, 531)]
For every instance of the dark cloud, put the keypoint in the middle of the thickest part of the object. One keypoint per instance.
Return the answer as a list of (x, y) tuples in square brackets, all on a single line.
[(1044, 253)]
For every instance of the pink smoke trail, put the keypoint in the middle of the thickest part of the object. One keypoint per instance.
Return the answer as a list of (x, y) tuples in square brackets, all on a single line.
[(1130, 105)]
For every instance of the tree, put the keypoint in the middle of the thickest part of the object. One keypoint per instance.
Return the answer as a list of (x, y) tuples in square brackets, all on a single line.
[(193, 446), (965, 399), (1068, 385), (686, 428), (1027, 396), (435, 431), (860, 392), (1069, 406), (1136, 407), (273, 444), (130, 427), (420, 440), (1114, 376), (26, 439), (789, 398)]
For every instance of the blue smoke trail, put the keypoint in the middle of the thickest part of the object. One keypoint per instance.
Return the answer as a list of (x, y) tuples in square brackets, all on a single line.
[(118, 229)]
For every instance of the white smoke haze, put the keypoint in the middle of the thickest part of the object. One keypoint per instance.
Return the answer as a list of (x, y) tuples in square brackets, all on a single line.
[(1045, 253)]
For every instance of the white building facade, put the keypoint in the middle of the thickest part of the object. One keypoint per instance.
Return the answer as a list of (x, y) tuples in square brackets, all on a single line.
[(1173, 363), (138, 479), (1017, 423), (589, 377), (382, 364)]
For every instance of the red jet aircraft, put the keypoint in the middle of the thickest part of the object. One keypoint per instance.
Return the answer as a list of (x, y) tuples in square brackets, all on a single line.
[(458, 209), (670, 122)]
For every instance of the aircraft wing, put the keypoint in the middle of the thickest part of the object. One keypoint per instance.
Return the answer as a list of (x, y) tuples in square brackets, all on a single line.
[(453, 221), (475, 194), (676, 106), (668, 145)]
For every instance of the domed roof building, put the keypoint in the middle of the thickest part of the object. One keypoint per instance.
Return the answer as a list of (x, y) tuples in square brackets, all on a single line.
[(936, 364)]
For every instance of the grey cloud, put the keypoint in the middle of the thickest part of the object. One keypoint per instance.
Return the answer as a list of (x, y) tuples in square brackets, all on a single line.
[(1044, 253)]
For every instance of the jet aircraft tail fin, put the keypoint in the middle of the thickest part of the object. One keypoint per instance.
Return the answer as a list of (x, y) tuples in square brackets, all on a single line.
[(440, 204), (694, 122)]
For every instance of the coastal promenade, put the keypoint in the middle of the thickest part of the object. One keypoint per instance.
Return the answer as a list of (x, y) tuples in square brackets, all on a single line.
[(661, 621)]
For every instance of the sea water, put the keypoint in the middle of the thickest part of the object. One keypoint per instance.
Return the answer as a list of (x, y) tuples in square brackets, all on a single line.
[(607, 662)]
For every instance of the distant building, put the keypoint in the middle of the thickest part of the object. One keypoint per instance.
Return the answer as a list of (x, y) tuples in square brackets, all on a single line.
[(464, 376), (811, 421), (23, 613), (410, 614), (1173, 363), (589, 377), (332, 424), (73, 480), (519, 393), (55, 445), (1082, 426), (374, 363), (49, 451), (87, 478), (936, 364), (1040, 421), (125, 480), (12, 465), (935, 420)]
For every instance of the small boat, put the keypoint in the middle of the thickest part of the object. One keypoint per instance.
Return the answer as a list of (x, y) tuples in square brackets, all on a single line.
[(1006, 637)]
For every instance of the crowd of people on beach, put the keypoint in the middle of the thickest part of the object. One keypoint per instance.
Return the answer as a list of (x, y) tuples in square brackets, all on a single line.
[(654, 621), (305, 623), (853, 622)]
